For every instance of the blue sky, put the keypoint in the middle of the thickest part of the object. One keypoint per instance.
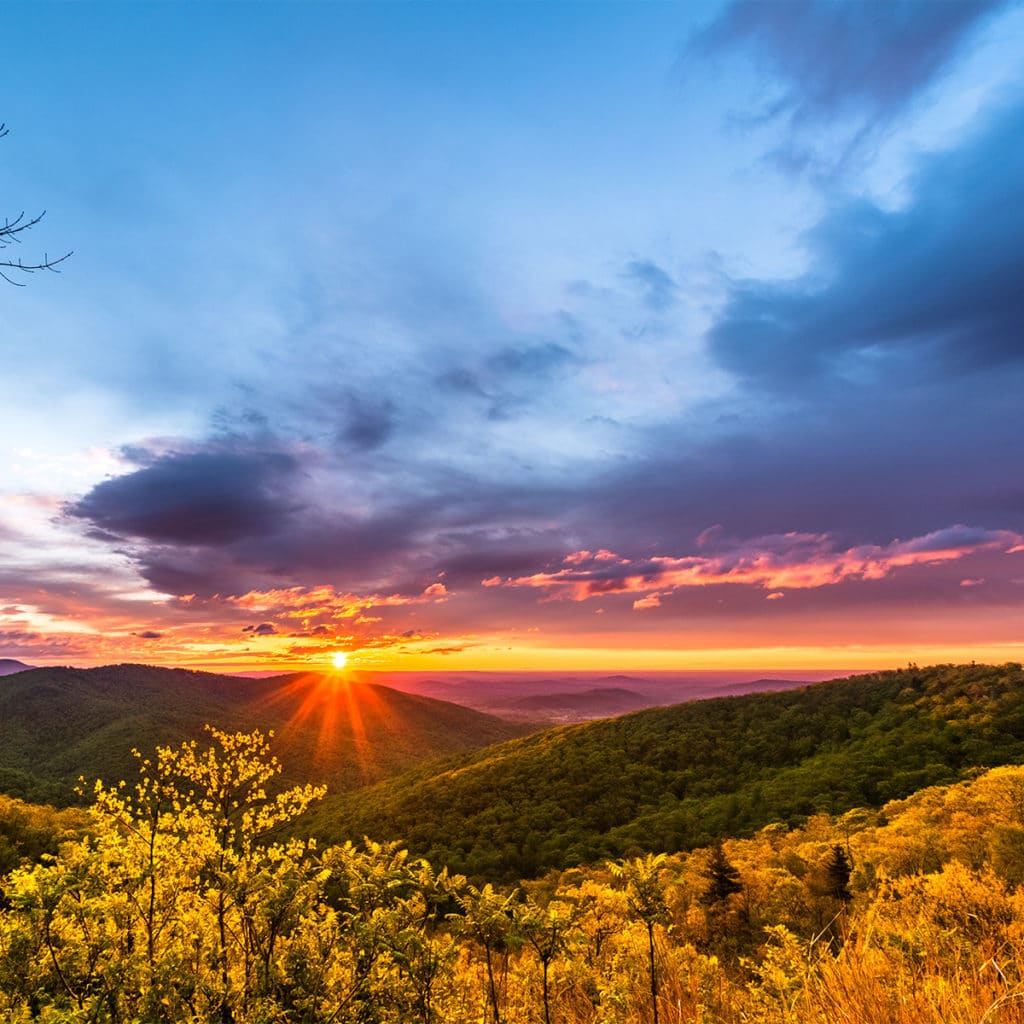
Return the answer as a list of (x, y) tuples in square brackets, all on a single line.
[(385, 320)]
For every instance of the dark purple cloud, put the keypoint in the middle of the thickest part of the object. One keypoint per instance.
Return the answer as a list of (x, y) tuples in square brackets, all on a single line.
[(195, 498), (226, 519)]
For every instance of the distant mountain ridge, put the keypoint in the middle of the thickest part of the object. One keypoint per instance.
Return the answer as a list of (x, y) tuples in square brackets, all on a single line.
[(8, 666), (508, 694), (559, 708), (59, 723)]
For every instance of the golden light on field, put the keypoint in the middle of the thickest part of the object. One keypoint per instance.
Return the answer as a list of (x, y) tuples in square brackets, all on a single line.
[(340, 659)]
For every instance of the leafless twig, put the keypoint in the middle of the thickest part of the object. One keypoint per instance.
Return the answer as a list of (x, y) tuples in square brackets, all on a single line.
[(10, 231)]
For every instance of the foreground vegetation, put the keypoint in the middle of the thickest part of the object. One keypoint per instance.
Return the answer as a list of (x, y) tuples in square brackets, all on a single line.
[(682, 777), (184, 902)]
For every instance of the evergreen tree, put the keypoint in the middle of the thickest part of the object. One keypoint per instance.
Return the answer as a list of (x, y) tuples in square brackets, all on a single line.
[(837, 874), (723, 878)]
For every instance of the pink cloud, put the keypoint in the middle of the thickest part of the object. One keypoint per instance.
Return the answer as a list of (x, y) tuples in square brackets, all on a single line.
[(579, 557), (778, 562)]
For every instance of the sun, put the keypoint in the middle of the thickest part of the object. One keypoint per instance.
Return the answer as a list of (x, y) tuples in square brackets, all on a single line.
[(340, 659)]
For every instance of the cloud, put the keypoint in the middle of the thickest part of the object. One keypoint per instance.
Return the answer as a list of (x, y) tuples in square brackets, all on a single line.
[(196, 498), (324, 600), (233, 516), (792, 561), (263, 629), (510, 379), (830, 56), (539, 359), (657, 286), (929, 290), (368, 423), (833, 428)]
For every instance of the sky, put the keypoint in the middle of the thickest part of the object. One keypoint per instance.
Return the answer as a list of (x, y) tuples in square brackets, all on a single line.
[(514, 336)]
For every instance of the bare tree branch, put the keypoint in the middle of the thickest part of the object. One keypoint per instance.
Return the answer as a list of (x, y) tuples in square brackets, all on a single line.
[(10, 231)]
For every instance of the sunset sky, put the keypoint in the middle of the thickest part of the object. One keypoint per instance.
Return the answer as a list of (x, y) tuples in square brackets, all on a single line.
[(514, 335)]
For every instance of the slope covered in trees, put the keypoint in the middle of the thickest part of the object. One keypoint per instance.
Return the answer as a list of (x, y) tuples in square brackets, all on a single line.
[(680, 777), (57, 724), (183, 904)]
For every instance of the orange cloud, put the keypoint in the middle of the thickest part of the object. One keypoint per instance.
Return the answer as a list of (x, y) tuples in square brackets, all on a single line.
[(303, 602), (779, 562)]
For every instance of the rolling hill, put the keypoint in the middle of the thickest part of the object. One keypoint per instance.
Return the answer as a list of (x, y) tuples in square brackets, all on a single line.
[(57, 724), (8, 666), (680, 777)]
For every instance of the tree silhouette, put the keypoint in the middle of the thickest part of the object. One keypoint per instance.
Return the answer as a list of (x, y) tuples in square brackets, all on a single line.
[(11, 231)]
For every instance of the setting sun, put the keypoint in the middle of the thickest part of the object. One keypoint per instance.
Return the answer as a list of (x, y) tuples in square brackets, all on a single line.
[(340, 659)]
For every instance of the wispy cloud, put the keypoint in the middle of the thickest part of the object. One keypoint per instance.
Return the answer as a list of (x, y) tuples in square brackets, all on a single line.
[(835, 76)]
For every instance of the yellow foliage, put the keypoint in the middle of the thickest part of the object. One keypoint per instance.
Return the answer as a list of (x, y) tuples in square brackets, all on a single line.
[(185, 902)]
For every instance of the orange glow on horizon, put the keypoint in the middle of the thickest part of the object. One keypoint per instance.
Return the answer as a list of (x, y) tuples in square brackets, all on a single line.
[(504, 658)]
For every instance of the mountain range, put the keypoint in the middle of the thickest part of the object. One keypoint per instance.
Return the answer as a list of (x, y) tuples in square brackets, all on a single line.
[(506, 800), (57, 724)]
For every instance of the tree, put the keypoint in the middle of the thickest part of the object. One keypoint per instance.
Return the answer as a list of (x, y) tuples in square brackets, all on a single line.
[(837, 874), (176, 903), (544, 927), (723, 878), (645, 893), (11, 231), (488, 917)]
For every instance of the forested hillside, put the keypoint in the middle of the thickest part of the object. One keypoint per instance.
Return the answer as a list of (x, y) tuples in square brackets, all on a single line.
[(182, 905), (680, 777), (57, 724)]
